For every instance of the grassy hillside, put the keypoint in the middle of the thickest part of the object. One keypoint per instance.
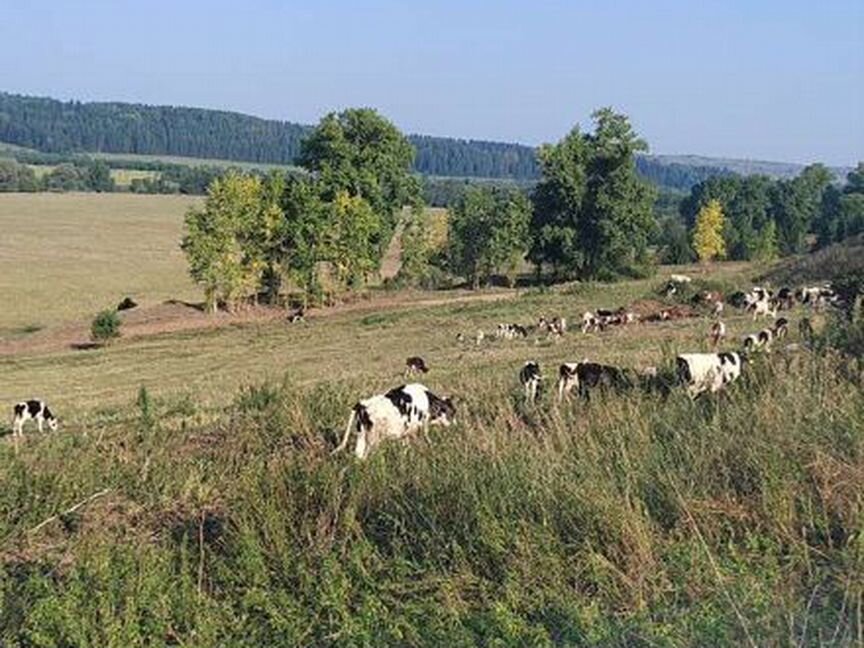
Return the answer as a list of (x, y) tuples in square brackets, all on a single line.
[(207, 510), (624, 521)]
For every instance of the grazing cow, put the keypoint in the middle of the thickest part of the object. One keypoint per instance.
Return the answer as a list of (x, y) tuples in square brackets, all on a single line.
[(297, 315), (710, 372), (586, 376), (556, 326), (671, 289), (395, 415), (591, 322), (760, 340), (781, 328), (817, 297), (717, 334), (415, 365), (765, 307), (530, 377), (785, 298), (35, 410), (510, 331)]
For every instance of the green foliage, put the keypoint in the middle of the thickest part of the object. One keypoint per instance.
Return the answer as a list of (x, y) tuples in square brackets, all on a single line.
[(223, 241), (842, 210), (592, 212), (360, 153), (417, 250), (488, 234), (16, 177), (105, 326), (673, 241)]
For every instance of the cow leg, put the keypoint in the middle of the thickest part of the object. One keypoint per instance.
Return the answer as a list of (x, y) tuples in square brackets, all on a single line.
[(39, 423), (361, 449)]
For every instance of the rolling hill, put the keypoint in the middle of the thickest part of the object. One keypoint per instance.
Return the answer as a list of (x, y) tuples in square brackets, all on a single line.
[(51, 126)]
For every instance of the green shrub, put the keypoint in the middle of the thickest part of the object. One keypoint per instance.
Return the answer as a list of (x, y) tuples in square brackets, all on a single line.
[(105, 326)]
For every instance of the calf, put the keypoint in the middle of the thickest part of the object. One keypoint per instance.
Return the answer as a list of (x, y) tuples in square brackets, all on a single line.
[(394, 415), (35, 410), (530, 377), (586, 376), (415, 365), (710, 372)]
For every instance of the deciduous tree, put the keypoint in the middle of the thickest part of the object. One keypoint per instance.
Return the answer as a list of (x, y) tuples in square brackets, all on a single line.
[(708, 240)]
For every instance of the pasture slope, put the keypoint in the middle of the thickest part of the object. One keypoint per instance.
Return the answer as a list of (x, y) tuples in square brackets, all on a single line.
[(207, 510)]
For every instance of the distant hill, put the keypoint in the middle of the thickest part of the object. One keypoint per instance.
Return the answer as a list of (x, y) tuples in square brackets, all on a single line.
[(53, 126)]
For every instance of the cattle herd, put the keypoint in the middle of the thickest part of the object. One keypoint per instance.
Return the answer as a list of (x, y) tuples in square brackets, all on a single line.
[(404, 410)]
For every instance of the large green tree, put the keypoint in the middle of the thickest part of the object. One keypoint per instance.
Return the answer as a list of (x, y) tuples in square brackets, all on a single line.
[(221, 240), (359, 152), (488, 234), (592, 212)]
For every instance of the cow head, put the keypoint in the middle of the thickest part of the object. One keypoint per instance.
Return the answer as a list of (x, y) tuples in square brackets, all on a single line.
[(442, 411)]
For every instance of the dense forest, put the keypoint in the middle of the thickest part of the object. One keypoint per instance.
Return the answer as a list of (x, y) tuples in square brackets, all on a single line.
[(52, 126)]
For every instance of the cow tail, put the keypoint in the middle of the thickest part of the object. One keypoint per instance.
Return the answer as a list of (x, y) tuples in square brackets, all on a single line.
[(344, 443)]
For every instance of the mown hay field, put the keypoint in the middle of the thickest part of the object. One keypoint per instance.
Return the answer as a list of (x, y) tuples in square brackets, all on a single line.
[(66, 256)]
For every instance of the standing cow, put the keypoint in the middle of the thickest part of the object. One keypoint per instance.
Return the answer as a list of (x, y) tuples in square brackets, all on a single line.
[(394, 415)]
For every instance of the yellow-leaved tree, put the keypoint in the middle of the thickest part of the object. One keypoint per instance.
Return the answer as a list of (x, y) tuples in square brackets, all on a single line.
[(708, 240)]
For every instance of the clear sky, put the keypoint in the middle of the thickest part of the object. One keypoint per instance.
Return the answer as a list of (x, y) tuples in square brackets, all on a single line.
[(776, 80)]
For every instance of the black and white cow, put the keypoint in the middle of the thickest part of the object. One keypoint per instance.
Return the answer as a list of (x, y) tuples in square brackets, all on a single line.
[(761, 302), (415, 365), (786, 298), (557, 326), (35, 410), (817, 297), (760, 340), (591, 322), (781, 328), (585, 376), (530, 378), (511, 331), (394, 415), (711, 372)]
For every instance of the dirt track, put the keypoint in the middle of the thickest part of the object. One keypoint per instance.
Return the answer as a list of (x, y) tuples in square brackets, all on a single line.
[(173, 316)]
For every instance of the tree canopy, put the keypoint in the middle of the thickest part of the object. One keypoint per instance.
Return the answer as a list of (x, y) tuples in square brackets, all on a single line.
[(592, 212)]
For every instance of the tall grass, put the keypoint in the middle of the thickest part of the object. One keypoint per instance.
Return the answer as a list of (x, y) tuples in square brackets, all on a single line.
[(624, 521)]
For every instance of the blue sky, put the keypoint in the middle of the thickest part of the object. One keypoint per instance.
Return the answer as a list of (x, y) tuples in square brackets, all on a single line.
[(768, 80)]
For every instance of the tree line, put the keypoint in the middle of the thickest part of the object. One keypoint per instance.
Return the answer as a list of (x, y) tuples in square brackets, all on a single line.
[(57, 127), (590, 216), (113, 127), (761, 218)]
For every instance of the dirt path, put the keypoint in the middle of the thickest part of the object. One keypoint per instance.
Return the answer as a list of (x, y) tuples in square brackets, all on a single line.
[(174, 316)]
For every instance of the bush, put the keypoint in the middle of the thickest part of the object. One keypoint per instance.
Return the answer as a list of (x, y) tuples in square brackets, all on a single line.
[(105, 326)]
